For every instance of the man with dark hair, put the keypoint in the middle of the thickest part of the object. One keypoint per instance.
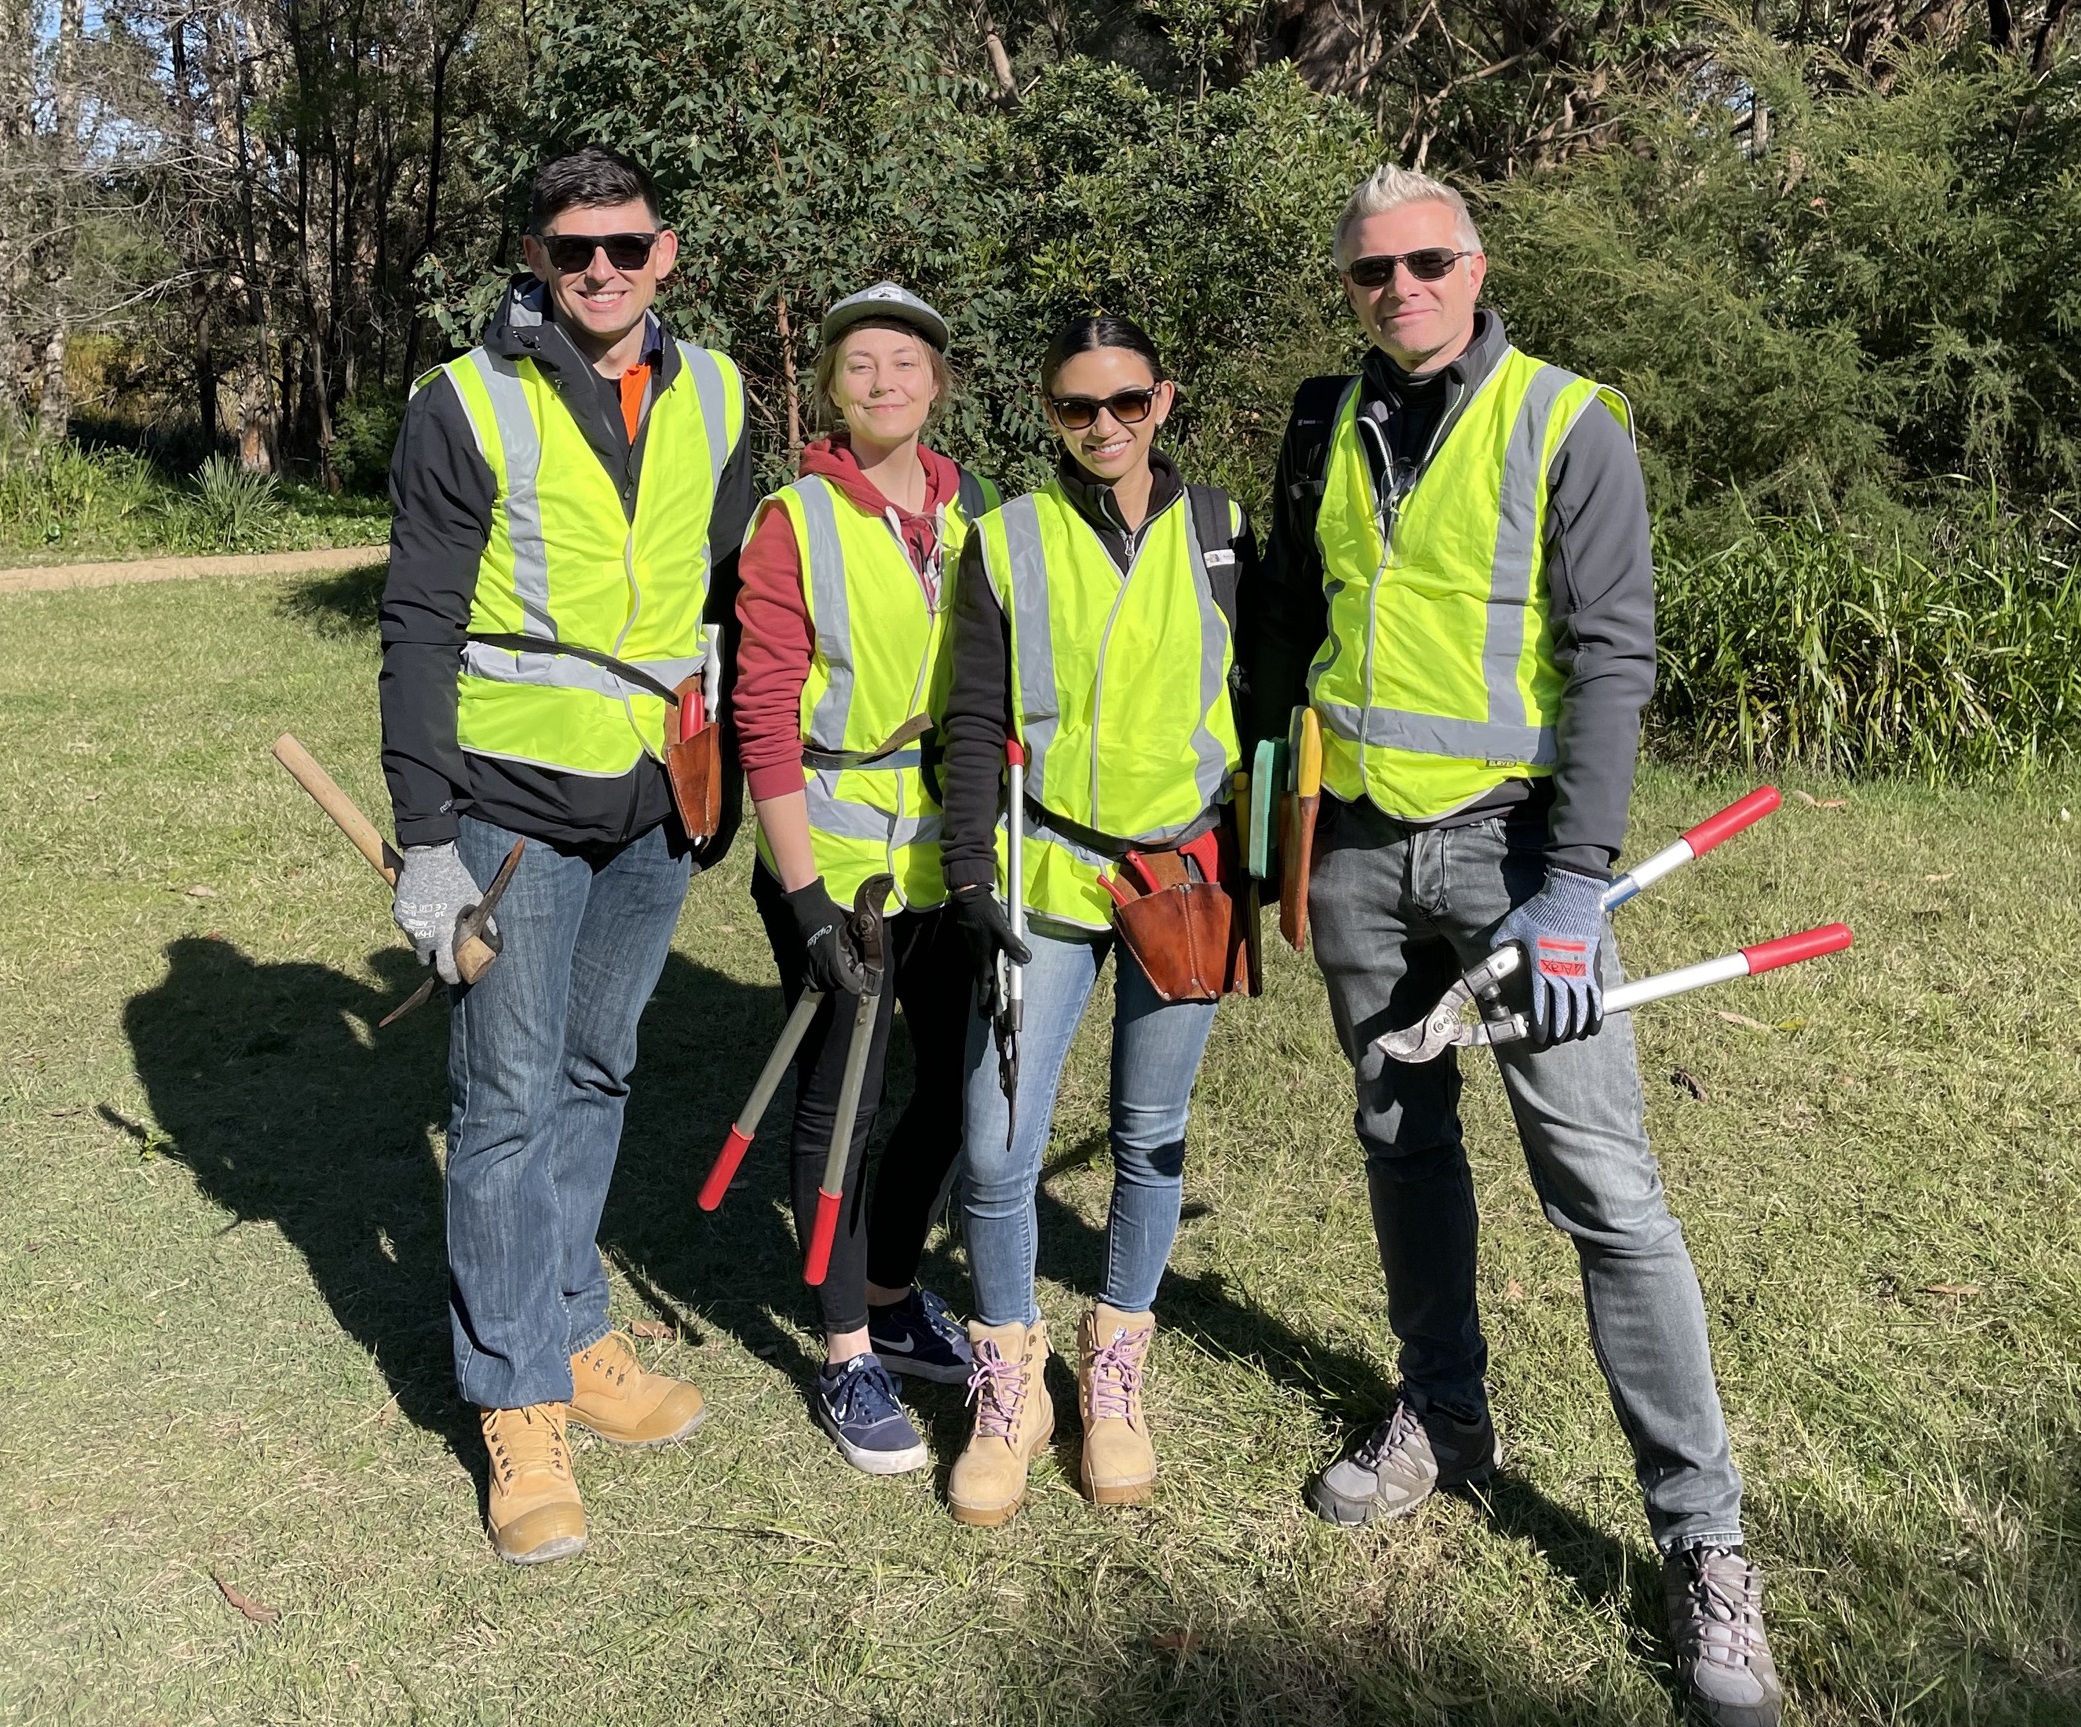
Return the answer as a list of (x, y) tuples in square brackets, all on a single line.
[(568, 499)]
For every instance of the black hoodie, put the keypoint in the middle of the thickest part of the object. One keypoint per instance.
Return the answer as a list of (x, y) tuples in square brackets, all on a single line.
[(441, 493)]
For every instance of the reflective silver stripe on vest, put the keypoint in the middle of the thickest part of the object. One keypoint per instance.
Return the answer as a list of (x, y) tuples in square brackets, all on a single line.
[(1517, 542), (562, 671), (1036, 637), (842, 818), (1213, 632), (1430, 735), (522, 447), (710, 392), (833, 619)]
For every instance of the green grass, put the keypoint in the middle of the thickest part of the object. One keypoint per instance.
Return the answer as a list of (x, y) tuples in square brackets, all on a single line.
[(221, 1282), (62, 504)]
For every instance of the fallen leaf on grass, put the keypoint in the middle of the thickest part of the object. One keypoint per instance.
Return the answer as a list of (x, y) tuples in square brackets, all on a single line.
[(1948, 875), (1184, 1642), (1961, 1290), (245, 1603), (1821, 803), (1685, 1080), (198, 891), (651, 1328), (1513, 1292), (1740, 1019)]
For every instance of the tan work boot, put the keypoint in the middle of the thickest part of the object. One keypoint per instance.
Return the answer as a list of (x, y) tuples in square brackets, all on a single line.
[(534, 1514), (1014, 1418), (612, 1396), (1112, 1355)]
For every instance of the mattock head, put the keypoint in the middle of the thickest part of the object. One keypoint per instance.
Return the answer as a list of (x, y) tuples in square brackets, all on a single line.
[(472, 926)]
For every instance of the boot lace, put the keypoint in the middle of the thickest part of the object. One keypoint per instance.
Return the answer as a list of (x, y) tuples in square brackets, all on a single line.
[(997, 1388), (522, 1439), (1390, 1436), (1723, 1610), (613, 1357), (864, 1389), (1117, 1371)]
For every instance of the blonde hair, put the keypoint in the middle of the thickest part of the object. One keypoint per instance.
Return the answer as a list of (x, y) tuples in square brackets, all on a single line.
[(1390, 188), (825, 413)]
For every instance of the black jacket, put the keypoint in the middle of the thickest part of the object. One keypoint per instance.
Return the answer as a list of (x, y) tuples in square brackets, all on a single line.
[(1599, 568), (978, 714), (441, 494)]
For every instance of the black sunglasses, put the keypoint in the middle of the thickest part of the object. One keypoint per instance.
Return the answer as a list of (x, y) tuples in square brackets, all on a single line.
[(1129, 407), (1426, 264), (570, 253)]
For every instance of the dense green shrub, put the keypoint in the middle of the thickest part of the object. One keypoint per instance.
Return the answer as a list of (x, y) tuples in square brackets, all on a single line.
[(364, 433), (1806, 643), (52, 494), (1886, 299)]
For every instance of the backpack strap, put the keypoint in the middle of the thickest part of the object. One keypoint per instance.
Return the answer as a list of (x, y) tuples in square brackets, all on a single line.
[(1312, 429), (977, 496), (1214, 526)]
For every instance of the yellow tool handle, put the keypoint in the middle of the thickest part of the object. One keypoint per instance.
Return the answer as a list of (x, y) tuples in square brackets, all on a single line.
[(1307, 778), (304, 769)]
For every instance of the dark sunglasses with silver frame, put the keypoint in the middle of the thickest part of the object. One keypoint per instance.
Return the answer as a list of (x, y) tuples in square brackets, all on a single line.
[(570, 253), (1426, 264)]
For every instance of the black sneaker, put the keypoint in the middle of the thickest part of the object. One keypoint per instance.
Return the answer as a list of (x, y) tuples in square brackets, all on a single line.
[(856, 1404), (920, 1337), (1402, 1462), (1714, 1597)]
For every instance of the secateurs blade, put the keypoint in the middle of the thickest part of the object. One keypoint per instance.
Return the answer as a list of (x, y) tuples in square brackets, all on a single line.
[(1448, 1025), (472, 923)]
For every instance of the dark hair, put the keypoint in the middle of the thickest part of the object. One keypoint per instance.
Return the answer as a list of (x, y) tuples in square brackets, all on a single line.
[(587, 179), (1097, 330)]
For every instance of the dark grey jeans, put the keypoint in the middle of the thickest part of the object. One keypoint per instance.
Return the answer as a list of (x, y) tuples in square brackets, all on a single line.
[(1397, 914)]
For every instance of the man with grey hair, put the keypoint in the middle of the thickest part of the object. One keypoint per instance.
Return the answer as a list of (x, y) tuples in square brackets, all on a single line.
[(1459, 584)]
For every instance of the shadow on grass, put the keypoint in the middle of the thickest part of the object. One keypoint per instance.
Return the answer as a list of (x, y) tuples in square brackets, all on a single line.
[(343, 605)]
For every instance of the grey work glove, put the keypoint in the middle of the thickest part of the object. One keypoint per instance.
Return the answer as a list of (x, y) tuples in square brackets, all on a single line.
[(1560, 927), (433, 890)]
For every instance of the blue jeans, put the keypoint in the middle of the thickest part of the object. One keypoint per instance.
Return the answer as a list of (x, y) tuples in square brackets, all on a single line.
[(1156, 1051), (539, 1056), (1398, 914)]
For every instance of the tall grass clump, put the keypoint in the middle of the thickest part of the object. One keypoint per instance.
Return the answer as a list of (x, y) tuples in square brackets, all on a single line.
[(1810, 644), (52, 493), (234, 509)]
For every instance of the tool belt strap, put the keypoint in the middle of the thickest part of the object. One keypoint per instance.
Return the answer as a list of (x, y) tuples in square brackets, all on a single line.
[(1110, 845), (592, 656)]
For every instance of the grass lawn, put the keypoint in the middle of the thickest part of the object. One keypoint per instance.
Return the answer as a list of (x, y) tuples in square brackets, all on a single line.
[(221, 1278)]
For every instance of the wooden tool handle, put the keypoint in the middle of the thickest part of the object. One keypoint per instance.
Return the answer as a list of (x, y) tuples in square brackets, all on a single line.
[(304, 769)]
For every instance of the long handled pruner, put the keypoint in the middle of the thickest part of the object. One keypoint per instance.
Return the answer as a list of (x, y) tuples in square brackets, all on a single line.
[(1008, 1012), (1448, 1026), (864, 930)]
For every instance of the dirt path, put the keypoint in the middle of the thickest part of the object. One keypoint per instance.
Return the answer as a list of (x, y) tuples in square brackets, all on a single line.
[(30, 581)]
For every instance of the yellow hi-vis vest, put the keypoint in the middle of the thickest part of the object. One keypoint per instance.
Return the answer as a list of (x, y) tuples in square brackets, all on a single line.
[(565, 562), (1438, 681), (1119, 691), (878, 662)]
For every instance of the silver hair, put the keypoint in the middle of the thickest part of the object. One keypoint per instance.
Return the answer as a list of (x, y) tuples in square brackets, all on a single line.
[(1390, 188)]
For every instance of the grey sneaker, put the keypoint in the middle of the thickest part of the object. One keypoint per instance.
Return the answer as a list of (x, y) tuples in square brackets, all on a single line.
[(1714, 1597), (1406, 1459)]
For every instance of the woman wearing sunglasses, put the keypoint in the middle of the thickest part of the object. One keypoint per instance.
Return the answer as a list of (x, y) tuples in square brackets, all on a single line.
[(1091, 627), (844, 607)]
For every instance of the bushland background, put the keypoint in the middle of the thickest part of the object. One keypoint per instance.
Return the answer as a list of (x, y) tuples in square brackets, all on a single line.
[(1830, 248)]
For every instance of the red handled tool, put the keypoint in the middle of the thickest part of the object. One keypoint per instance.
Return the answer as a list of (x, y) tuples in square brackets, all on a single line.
[(864, 931), (1447, 1027), (746, 1127)]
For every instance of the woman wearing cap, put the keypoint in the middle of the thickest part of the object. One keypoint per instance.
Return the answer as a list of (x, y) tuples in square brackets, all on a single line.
[(845, 578), (1091, 623)]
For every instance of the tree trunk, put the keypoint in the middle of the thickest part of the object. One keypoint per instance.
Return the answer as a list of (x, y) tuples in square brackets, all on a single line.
[(54, 411), (16, 31)]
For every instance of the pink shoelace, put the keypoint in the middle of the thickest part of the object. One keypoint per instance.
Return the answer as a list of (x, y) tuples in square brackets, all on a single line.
[(1116, 1374), (998, 1389)]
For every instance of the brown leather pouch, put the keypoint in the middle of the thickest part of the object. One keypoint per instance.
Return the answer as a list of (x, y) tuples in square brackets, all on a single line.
[(1185, 934), (695, 767)]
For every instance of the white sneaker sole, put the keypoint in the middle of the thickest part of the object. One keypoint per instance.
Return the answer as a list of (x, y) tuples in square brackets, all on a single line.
[(875, 1462)]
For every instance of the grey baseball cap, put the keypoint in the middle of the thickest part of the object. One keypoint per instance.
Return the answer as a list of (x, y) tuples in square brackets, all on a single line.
[(885, 300)]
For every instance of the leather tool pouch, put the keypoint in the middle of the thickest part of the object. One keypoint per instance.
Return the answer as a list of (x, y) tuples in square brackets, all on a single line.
[(695, 767), (1186, 933)]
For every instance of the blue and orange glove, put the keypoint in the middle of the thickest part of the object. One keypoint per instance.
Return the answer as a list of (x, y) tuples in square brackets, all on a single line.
[(1560, 927)]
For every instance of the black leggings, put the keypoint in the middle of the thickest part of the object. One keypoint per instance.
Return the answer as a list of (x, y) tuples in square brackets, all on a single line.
[(928, 971)]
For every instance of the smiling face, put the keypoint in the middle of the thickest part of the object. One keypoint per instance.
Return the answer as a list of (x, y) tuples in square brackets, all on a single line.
[(599, 303), (1418, 325), (885, 383), (1109, 447)]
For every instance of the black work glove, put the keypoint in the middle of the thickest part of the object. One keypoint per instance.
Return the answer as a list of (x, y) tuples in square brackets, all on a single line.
[(988, 932), (828, 961)]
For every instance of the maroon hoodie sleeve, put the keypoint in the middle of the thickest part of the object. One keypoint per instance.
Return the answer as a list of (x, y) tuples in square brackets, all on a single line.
[(773, 660)]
